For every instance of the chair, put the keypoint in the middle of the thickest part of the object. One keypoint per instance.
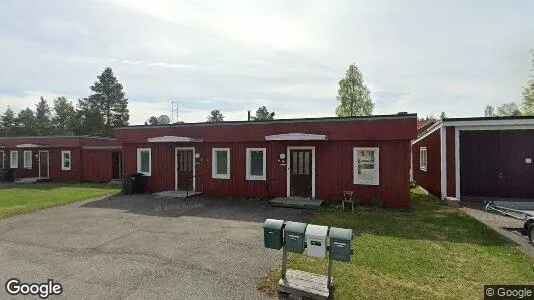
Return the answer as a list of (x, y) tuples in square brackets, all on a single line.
[(347, 197)]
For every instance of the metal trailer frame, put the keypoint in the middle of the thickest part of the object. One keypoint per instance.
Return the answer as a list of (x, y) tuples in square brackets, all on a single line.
[(523, 211)]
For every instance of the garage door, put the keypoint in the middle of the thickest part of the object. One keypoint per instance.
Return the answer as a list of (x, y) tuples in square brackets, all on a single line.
[(496, 163)]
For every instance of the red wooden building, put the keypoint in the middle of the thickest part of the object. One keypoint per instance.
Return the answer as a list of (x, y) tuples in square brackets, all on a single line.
[(63, 158), (315, 158), (476, 158)]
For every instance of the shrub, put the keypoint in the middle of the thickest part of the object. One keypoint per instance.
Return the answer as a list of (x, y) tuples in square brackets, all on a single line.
[(377, 203), (336, 200), (413, 184), (358, 201)]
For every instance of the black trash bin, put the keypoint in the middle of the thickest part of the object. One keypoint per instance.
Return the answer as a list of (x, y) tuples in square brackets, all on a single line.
[(139, 183), (127, 184), (7, 175), (134, 183)]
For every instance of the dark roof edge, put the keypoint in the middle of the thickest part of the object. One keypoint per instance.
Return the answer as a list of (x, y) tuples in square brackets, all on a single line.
[(57, 136), (280, 121), (488, 118)]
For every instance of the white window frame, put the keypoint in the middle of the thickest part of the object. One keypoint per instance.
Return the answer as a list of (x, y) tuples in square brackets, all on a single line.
[(360, 181), (149, 150), (423, 164), (214, 173), (16, 154), (249, 176), (63, 160), (27, 164)]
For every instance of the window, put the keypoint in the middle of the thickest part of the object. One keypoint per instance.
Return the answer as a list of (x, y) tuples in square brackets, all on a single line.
[(27, 159), (144, 161), (220, 167), (366, 167), (423, 158), (14, 159), (65, 160), (256, 162)]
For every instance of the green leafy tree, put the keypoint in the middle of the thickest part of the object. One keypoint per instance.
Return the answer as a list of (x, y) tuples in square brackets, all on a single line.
[(42, 118), (152, 121), (64, 120), (528, 92), (508, 109), (504, 110), (27, 123), (216, 116), (353, 95), (9, 122), (489, 111), (262, 114), (108, 102)]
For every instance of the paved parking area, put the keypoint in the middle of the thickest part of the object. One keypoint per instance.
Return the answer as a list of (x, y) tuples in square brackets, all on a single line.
[(143, 247), (507, 227)]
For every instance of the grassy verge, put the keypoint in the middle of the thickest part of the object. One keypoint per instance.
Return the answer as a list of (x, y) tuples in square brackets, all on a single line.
[(432, 251), (24, 198)]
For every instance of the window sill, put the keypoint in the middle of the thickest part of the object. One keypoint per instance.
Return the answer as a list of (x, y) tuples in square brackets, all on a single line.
[(220, 177), (256, 178), (366, 183)]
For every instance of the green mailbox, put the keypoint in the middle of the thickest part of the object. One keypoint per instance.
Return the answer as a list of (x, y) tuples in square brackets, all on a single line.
[(294, 235), (272, 234), (340, 243)]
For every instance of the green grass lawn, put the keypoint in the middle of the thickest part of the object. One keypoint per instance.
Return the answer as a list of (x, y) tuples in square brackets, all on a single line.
[(432, 251), (22, 198)]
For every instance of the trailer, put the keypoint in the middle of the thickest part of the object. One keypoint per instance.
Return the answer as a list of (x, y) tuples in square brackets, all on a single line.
[(523, 211)]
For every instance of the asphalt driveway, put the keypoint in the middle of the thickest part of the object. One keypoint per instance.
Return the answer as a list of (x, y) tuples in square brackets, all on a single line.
[(143, 247)]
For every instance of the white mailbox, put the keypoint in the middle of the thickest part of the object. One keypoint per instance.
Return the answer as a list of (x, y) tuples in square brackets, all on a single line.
[(316, 240)]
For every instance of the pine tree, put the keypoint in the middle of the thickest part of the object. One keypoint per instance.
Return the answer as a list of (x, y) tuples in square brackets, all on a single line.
[(108, 102), (27, 123), (215, 116), (42, 118), (263, 114), (64, 119), (353, 95), (9, 122)]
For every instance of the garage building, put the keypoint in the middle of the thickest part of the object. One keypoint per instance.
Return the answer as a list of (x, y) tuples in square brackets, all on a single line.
[(474, 159)]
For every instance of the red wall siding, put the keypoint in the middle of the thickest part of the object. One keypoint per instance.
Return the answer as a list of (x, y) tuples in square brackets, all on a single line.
[(430, 179), (55, 165), (22, 172), (451, 162), (334, 169), (96, 165)]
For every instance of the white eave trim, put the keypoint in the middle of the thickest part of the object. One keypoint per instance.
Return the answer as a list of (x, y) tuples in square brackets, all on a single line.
[(296, 137), (30, 146), (174, 139)]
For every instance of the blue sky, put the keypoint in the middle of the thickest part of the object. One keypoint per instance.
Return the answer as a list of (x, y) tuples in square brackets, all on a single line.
[(416, 56)]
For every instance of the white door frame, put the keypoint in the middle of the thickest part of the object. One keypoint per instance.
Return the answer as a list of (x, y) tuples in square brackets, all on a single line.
[(288, 168), (176, 149), (48, 162)]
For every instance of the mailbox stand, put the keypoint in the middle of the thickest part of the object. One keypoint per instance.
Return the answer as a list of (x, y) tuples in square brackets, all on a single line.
[(294, 237)]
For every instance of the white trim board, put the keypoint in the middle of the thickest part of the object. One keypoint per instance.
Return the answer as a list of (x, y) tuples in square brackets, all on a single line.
[(176, 149), (249, 176), (288, 168), (174, 139), (295, 136), (30, 146)]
